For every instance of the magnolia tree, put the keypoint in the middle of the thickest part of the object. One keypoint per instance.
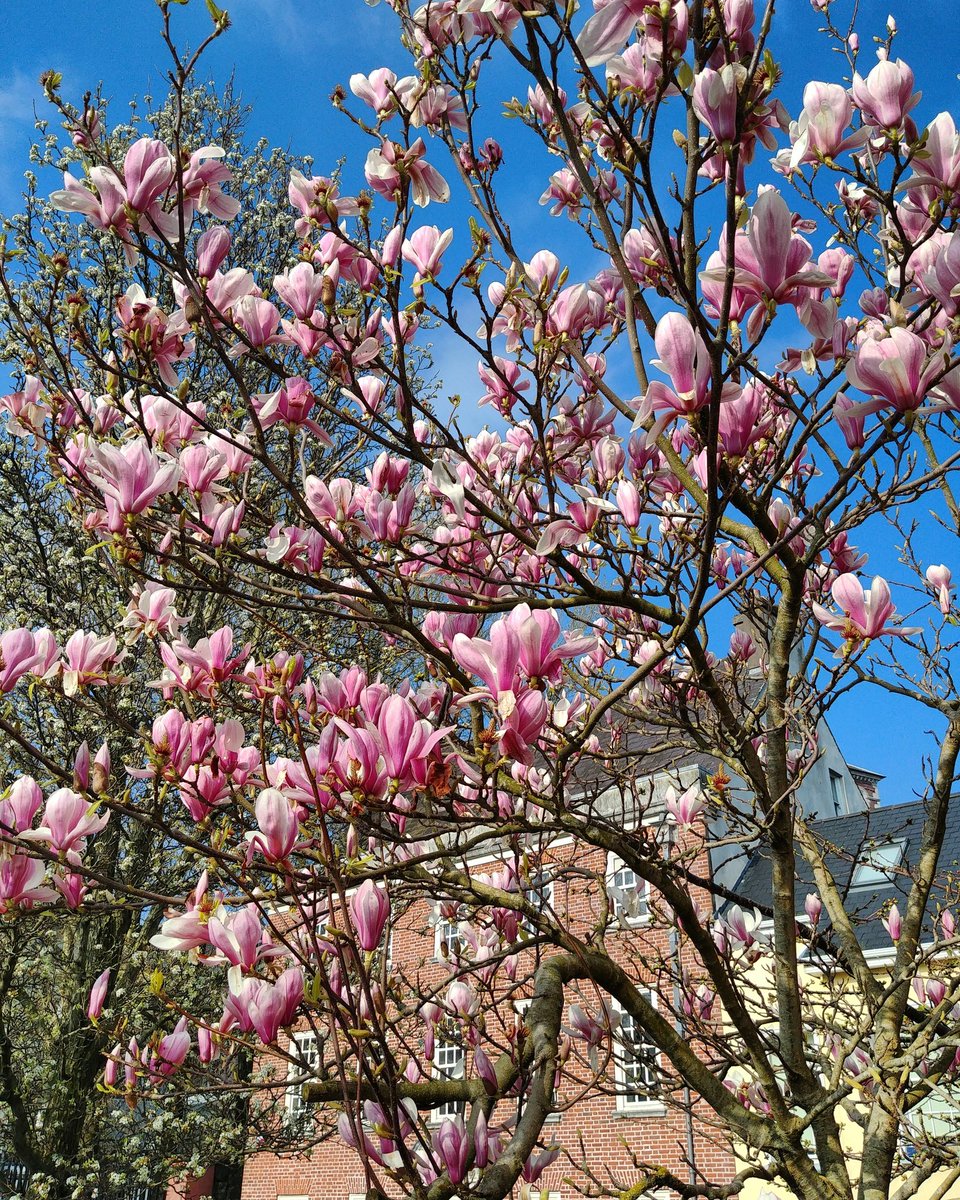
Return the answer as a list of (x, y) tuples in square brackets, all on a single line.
[(560, 589)]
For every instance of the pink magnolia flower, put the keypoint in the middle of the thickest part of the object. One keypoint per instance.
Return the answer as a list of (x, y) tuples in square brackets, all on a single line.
[(301, 287), (131, 477), (104, 208), (98, 994), (864, 613), (685, 358), (19, 654), (686, 807), (609, 29), (319, 201), (187, 931), (87, 661), (151, 613), (378, 89), (388, 168), (278, 826), (213, 246), (462, 1001), (257, 319), (894, 370), (203, 667), (68, 820), (424, 249), (148, 170), (203, 181), (821, 130), (369, 908), (813, 907), (21, 805), (939, 578), (893, 923), (886, 95), (21, 882), (26, 409), (715, 99), (452, 1147)]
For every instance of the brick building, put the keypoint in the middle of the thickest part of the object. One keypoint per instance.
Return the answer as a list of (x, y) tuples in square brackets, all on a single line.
[(622, 1116)]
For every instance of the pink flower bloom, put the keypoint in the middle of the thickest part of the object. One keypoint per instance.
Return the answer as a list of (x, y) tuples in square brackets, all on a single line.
[(98, 993), (279, 827), (893, 923), (886, 95), (319, 201), (148, 170), (87, 661), (257, 319), (894, 370), (21, 805), (388, 168), (104, 208), (21, 880), (151, 612), (369, 908), (203, 182), (864, 613), (813, 907), (849, 416), (301, 287), (461, 1000), (26, 409), (820, 131), (378, 89), (715, 99), (213, 246), (609, 29), (424, 249), (200, 668), (452, 1147), (18, 655), (684, 357), (68, 820), (131, 477), (686, 807), (939, 579)]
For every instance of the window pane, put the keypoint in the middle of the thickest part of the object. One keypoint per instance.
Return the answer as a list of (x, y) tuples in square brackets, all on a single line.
[(878, 865), (448, 1064), (304, 1049), (636, 1062)]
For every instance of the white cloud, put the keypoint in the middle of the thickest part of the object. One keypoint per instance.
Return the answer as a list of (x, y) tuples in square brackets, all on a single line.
[(20, 95)]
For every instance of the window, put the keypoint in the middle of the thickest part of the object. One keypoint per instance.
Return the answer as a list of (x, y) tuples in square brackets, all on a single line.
[(629, 896), (838, 793), (448, 1064), (446, 931), (635, 1061), (539, 893), (877, 866), (304, 1049)]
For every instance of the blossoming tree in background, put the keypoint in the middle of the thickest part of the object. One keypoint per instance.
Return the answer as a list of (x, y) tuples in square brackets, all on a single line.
[(657, 548)]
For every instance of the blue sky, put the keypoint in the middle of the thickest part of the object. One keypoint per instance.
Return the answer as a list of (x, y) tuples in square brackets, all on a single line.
[(287, 55)]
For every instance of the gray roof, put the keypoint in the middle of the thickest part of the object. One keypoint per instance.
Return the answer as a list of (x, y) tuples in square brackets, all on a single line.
[(849, 840)]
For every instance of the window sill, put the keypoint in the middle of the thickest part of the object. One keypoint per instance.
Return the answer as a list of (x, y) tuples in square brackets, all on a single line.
[(653, 1109)]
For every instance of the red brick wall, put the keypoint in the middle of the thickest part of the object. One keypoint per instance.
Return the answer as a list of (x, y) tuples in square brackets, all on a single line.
[(592, 1130)]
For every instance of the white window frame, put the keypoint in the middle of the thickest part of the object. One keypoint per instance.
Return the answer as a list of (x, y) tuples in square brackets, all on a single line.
[(615, 865), (453, 1070), (624, 1104), (540, 888), (878, 875), (449, 932), (296, 1110)]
